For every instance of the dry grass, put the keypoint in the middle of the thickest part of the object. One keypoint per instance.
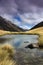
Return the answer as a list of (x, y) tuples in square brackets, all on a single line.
[(2, 32), (38, 31), (6, 55)]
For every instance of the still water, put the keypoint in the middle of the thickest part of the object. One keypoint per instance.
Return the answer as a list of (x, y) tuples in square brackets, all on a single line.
[(24, 56), (19, 41)]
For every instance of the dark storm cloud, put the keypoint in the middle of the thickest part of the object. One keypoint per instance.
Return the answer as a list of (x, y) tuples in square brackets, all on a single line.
[(18, 6), (26, 5), (14, 6), (37, 2), (8, 6), (23, 5)]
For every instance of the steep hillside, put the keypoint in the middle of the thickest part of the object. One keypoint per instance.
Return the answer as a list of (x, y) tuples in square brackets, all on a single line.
[(37, 26), (9, 26), (37, 30)]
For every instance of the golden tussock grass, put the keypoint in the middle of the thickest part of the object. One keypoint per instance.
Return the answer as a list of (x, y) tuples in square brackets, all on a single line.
[(38, 31), (6, 55)]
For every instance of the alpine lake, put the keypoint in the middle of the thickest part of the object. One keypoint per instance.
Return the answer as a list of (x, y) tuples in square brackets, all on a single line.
[(24, 56)]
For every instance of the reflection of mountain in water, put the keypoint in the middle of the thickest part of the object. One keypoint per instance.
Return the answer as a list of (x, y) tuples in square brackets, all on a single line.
[(3, 40)]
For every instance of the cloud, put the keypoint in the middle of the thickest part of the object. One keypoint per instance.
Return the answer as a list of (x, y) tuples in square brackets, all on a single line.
[(38, 3), (10, 18), (32, 18), (6, 16), (19, 6), (8, 7), (30, 12), (25, 27)]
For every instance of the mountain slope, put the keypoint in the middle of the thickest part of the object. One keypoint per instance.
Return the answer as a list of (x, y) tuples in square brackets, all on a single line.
[(9, 26), (37, 31), (38, 25)]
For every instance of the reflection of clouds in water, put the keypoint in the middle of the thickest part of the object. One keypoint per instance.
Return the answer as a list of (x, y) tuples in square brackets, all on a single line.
[(16, 42), (19, 40)]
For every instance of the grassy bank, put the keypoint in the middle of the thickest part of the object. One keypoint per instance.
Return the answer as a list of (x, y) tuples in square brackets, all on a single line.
[(2, 32), (38, 31), (6, 55)]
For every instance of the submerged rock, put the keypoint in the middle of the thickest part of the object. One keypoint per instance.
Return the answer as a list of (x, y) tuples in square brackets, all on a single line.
[(31, 46)]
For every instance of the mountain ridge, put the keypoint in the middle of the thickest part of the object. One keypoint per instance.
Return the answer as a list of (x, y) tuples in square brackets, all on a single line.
[(37, 25), (9, 26)]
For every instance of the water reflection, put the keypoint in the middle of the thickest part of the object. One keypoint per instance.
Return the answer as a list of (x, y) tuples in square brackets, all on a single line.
[(19, 40), (2, 40), (24, 56)]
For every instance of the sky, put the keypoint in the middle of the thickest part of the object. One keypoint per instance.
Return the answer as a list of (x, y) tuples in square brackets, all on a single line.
[(24, 13)]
